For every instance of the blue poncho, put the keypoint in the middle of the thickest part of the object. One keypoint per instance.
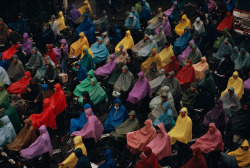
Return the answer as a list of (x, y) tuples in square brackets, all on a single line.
[(115, 117), (182, 42), (175, 13), (135, 13), (109, 161), (117, 36), (166, 118), (88, 28), (147, 50), (20, 25), (224, 50), (100, 52), (131, 20), (76, 124), (82, 73), (145, 13), (230, 5), (243, 61), (2, 62)]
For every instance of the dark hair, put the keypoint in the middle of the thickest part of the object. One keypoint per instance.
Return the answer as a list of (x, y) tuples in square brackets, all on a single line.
[(167, 43), (157, 128)]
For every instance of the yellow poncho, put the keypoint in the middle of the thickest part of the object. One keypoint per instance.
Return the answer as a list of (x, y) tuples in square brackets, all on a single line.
[(237, 84), (127, 42), (155, 19), (152, 58), (61, 21), (185, 22), (182, 131), (242, 156), (71, 161), (166, 55), (86, 4), (76, 47)]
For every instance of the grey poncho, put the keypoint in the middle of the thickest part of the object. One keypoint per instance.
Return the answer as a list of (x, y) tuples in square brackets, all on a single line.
[(16, 70), (125, 81)]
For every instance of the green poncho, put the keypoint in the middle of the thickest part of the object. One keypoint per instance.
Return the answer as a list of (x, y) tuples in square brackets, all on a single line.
[(84, 85), (4, 96), (189, 98), (12, 114), (115, 74), (222, 38), (128, 126), (97, 94)]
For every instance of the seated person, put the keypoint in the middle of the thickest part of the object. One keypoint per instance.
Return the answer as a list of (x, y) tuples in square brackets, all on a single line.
[(182, 42), (155, 19), (92, 129), (86, 4), (100, 52), (211, 141), (140, 90), (166, 117), (61, 22), (51, 74), (173, 12), (152, 72), (7, 54), (73, 15), (36, 60), (19, 86), (87, 60), (186, 76), (198, 26), (242, 154), (145, 12), (7, 131), (189, 97), (221, 39), (182, 131), (243, 61), (147, 50), (117, 115), (50, 53), (161, 144), (115, 74), (138, 140), (76, 47), (130, 125), (5, 34), (166, 54), (237, 83), (24, 138), (82, 72), (141, 44), (109, 160), (227, 22), (4, 77), (155, 84), (150, 29), (185, 53), (48, 34), (102, 23), (225, 48), (149, 159), (121, 55), (115, 35), (197, 160), (16, 69), (154, 57), (55, 26), (166, 29), (184, 23), (97, 93), (200, 68), (194, 55), (72, 159), (131, 20), (135, 13), (3, 63), (127, 42), (83, 160), (108, 68), (172, 66)]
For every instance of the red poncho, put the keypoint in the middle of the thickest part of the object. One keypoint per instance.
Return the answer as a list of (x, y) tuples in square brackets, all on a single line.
[(51, 54), (20, 86), (187, 75), (46, 118), (227, 22), (58, 100), (10, 52), (197, 161), (150, 160), (172, 66)]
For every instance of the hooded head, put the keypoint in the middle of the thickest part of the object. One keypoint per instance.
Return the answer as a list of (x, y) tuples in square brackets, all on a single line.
[(43, 129), (231, 89), (166, 106), (58, 87), (148, 122), (73, 6), (108, 155), (88, 113), (46, 102), (27, 73), (87, 106), (141, 74), (128, 32), (77, 140), (132, 113), (112, 56), (82, 34), (242, 51), (147, 151), (219, 102)]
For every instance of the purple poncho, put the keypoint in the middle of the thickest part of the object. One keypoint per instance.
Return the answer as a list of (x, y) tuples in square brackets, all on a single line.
[(74, 13), (40, 146), (108, 68), (210, 4), (170, 10), (140, 90), (65, 50), (92, 129), (246, 84), (27, 44), (185, 53), (166, 27)]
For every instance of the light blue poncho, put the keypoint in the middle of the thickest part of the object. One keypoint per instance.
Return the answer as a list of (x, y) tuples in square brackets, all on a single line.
[(243, 60), (7, 131), (100, 52), (147, 50)]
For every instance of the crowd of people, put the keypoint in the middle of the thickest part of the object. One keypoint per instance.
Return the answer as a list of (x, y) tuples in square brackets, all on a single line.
[(183, 89)]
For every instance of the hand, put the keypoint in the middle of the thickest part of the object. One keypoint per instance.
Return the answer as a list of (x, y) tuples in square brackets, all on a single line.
[(19, 95), (60, 164), (3, 122), (51, 81), (35, 101), (29, 90), (12, 77), (74, 78)]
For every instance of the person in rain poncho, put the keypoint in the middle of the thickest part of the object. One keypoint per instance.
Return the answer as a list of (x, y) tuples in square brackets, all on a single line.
[(7, 131), (185, 22), (242, 154), (199, 26), (189, 96), (115, 74), (197, 160), (76, 47), (137, 140), (147, 50), (97, 93), (200, 68), (225, 48), (116, 35), (221, 39), (172, 66), (100, 52), (20, 85), (145, 12), (4, 77), (182, 131), (36, 60), (92, 129), (50, 53), (166, 54), (227, 22), (61, 21), (155, 84), (109, 161), (3, 63), (150, 29), (243, 61), (166, 28), (72, 159), (216, 115), (117, 115), (135, 13), (231, 102), (85, 5), (73, 15), (83, 160), (87, 60), (161, 144), (82, 72), (149, 159), (152, 72), (174, 14), (182, 42), (244, 43), (4, 96), (168, 12), (24, 138), (141, 44), (27, 44), (126, 80), (108, 68), (237, 83), (42, 145), (127, 42), (55, 26), (131, 21), (130, 125), (166, 117), (5, 33), (102, 23), (195, 55), (16, 69), (186, 52), (48, 34), (20, 25), (235, 53), (106, 40), (154, 57), (211, 141), (155, 19), (160, 39), (211, 5)]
